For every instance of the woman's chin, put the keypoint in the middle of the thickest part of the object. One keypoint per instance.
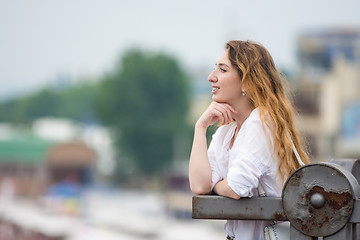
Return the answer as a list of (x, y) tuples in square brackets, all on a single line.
[(218, 99), (215, 98)]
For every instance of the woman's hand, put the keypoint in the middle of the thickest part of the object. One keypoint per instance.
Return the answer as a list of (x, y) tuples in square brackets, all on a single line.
[(220, 112), (199, 166)]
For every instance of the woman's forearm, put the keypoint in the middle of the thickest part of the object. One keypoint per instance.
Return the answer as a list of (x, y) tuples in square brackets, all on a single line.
[(199, 166), (222, 188)]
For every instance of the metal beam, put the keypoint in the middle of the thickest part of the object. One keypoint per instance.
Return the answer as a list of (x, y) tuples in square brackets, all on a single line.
[(256, 208)]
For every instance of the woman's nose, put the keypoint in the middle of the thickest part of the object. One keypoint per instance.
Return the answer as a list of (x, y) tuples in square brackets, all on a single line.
[(212, 77)]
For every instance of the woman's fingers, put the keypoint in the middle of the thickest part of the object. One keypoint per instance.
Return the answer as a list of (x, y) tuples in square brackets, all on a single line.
[(221, 112), (226, 112), (209, 117), (220, 116)]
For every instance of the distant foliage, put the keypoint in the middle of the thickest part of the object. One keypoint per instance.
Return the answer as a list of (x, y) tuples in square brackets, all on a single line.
[(76, 102), (146, 100)]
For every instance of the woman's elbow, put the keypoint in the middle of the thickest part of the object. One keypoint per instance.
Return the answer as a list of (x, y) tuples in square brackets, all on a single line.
[(200, 190), (235, 196)]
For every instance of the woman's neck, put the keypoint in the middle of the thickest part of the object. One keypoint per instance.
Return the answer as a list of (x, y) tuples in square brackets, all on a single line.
[(243, 112)]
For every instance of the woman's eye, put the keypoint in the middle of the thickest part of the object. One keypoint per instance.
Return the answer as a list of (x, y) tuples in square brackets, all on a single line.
[(222, 70)]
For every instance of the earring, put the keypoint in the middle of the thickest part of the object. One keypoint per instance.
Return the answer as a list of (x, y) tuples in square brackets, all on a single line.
[(243, 93)]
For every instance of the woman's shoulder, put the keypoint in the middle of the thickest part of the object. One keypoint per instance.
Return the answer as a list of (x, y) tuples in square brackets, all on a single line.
[(254, 120), (254, 115), (254, 128)]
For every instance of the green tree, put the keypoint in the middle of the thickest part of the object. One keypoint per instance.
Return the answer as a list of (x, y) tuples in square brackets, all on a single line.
[(27, 108), (77, 102), (74, 102), (145, 98)]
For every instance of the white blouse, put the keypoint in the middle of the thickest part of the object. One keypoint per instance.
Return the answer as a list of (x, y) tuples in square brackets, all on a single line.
[(250, 160)]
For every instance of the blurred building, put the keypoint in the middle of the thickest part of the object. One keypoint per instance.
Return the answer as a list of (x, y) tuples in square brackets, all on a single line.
[(97, 137), (178, 195), (32, 164), (70, 169), (71, 160), (43, 173), (21, 171), (326, 93), (29, 165)]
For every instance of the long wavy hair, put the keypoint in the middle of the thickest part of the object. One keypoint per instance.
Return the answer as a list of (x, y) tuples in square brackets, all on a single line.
[(265, 88)]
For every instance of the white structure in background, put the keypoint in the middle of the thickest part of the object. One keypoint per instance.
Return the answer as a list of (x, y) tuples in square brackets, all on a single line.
[(64, 130), (56, 129), (100, 139)]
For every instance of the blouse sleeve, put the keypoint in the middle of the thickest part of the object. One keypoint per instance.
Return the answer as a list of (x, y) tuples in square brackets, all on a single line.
[(252, 158)]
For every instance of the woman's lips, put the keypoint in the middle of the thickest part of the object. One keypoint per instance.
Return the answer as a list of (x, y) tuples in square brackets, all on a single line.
[(215, 89)]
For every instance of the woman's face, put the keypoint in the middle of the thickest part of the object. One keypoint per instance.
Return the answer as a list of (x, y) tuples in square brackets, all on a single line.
[(226, 82)]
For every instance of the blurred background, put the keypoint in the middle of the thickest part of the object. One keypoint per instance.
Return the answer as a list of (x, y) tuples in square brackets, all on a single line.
[(98, 100)]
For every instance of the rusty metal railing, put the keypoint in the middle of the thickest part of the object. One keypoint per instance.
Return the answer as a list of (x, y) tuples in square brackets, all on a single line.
[(321, 201)]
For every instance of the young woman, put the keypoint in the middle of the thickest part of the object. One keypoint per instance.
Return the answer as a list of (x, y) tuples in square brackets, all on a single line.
[(254, 142)]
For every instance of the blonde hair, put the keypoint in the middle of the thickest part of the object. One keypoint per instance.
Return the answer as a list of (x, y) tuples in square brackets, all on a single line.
[(264, 86)]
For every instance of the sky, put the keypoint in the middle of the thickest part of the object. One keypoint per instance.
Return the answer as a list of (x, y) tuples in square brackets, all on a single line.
[(42, 41)]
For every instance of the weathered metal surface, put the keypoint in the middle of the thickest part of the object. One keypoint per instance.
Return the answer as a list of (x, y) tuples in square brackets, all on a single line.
[(327, 180), (297, 235), (348, 232), (350, 176), (353, 165), (256, 208), (355, 216)]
